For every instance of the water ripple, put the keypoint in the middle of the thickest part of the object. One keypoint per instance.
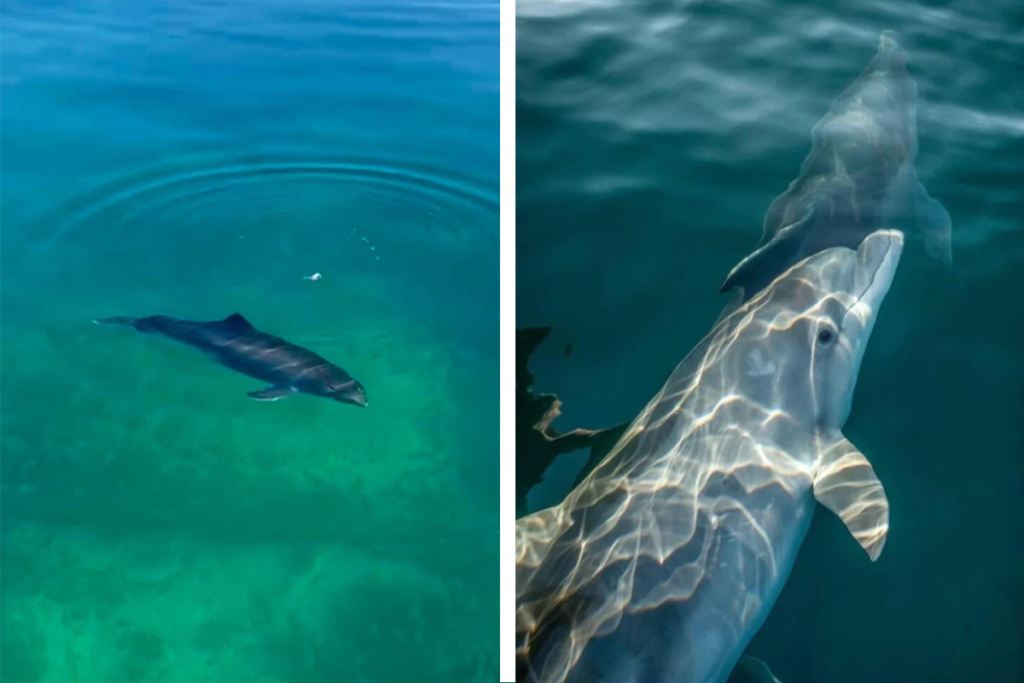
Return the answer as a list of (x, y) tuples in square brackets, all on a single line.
[(126, 200)]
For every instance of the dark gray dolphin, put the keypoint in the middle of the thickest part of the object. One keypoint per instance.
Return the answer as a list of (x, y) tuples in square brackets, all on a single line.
[(234, 342), (858, 178)]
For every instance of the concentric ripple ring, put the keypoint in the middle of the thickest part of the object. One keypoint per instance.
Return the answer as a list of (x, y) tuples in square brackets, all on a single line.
[(162, 187)]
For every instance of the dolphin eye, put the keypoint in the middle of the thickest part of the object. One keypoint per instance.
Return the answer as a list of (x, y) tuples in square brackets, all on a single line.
[(826, 336)]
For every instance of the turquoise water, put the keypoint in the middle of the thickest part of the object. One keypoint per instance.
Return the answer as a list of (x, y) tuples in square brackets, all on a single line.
[(652, 138), (201, 158)]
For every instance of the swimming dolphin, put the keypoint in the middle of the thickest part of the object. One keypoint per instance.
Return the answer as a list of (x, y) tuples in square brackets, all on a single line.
[(858, 178), (663, 563), (234, 342)]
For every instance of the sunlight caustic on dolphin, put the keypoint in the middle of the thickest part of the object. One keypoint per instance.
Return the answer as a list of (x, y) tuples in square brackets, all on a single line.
[(663, 563)]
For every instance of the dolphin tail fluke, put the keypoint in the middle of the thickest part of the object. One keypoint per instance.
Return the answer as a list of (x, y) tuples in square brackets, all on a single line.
[(847, 485), (890, 55)]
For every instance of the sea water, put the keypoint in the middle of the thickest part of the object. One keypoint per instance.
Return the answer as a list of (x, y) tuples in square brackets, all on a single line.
[(651, 139), (199, 158)]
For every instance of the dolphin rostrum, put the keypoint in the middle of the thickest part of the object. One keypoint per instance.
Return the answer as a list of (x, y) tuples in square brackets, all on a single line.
[(663, 563), (235, 343), (859, 177)]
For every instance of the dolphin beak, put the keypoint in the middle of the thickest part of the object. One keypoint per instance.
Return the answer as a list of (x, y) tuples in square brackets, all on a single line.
[(879, 254), (352, 399)]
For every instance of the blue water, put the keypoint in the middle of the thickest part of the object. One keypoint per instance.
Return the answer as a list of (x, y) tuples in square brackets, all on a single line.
[(201, 158), (652, 137)]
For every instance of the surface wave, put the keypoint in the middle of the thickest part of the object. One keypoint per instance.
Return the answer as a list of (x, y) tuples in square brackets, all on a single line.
[(128, 198)]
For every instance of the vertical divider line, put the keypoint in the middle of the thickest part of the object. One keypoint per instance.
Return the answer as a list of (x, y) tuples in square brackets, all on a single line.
[(507, 322)]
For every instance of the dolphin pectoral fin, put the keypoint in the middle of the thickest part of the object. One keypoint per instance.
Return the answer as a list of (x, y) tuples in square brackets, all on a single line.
[(908, 207), (271, 393), (933, 222), (847, 485), (752, 670)]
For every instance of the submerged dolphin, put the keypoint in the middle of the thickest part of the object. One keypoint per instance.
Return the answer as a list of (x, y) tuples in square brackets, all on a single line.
[(663, 563), (858, 178), (234, 342)]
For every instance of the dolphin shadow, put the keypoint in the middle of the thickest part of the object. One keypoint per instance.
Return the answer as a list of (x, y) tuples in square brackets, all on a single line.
[(538, 444)]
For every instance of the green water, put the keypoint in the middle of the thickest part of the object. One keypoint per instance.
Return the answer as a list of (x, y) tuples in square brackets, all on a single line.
[(196, 160)]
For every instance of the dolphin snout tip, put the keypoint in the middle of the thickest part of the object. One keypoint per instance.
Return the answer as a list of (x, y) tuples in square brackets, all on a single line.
[(358, 401), (882, 245)]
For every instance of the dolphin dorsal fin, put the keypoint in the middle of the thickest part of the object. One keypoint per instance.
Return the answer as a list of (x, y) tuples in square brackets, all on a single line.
[(847, 485), (771, 259), (237, 321)]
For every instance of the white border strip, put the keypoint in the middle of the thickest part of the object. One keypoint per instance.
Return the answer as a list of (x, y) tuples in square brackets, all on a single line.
[(507, 511)]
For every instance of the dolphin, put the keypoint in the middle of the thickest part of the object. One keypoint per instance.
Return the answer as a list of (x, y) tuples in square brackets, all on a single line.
[(858, 178), (663, 563), (235, 343)]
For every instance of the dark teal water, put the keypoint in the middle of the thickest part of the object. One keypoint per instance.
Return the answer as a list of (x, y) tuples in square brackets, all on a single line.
[(200, 158), (652, 138)]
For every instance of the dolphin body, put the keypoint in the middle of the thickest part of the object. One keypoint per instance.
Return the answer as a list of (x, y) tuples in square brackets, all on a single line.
[(663, 563), (235, 343), (858, 178)]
